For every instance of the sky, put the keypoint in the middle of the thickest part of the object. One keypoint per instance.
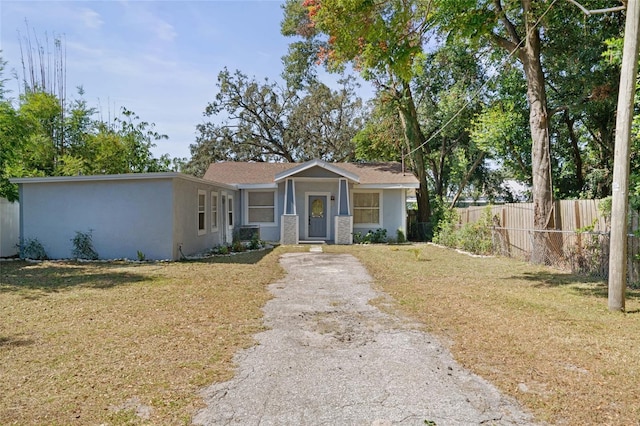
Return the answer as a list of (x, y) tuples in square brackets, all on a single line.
[(159, 59)]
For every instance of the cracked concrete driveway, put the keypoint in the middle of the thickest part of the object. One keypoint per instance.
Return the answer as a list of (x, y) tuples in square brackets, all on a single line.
[(331, 358)]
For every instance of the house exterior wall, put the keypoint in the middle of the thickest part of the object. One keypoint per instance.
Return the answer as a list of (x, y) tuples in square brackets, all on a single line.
[(125, 216), (186, 238), (394, 214), (9, 227)]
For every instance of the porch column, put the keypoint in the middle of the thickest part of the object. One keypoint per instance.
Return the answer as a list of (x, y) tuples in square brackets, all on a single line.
[(343, 225), (289, 227)]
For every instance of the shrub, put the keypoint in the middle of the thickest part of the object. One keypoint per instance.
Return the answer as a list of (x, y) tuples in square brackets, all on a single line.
[(447, 233), (255, 242), (83, 246), (476, 237), (31, 248), (400, 238), (371, 237)]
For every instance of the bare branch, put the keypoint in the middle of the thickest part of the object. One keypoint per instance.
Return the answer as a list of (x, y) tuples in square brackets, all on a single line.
[(596, 11)]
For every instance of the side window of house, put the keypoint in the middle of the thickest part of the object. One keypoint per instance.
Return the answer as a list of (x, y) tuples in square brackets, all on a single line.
[(214, 211), (366, 208), (261, 207), (230, 211), (202, 199)]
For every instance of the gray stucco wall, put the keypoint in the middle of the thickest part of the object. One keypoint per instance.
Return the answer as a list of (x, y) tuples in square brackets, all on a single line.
[(185, 218), (157, 216), (125, 216), (393, 213)]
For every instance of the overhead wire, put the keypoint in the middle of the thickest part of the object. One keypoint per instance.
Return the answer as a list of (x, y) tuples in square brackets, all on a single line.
[(481, 88)]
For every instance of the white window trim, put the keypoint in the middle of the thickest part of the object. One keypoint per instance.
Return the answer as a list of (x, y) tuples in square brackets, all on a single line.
[(214, 223), (247, 208), (201, 231), (354, 208)]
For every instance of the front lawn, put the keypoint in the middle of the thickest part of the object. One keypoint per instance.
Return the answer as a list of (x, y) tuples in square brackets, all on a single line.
[(542, 336), (122, 343)]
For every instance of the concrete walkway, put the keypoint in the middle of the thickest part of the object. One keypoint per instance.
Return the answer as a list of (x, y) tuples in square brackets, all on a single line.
[(330, 358)]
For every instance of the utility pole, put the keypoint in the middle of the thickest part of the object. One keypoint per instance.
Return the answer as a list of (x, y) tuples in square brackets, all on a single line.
[(620, 192)]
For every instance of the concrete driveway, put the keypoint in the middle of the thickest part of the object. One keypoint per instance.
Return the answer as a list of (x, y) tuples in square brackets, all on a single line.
[(330, 358)]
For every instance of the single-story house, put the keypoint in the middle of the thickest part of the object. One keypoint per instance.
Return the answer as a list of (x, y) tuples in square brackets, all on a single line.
[(170, 215)]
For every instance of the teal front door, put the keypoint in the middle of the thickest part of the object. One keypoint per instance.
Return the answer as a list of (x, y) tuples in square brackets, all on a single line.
[(317, 216)]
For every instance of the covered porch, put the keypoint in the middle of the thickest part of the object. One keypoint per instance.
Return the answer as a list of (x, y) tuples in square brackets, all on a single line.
[(316, 204)]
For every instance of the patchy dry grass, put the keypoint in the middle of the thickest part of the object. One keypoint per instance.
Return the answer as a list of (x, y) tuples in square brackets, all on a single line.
[(542, 336), (92, 343), (84, 343)]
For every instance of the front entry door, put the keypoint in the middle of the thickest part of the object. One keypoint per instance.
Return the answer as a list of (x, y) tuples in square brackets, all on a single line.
[(317, 216)]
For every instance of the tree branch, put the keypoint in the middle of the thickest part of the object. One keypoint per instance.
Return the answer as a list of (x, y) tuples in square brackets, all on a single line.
[(596, 11)]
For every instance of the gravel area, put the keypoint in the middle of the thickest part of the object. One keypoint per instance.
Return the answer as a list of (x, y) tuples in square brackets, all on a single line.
[(330, 358)]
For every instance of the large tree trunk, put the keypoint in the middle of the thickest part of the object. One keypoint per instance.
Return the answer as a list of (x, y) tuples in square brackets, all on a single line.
[(543, 214), (529, 56), (414, 140)]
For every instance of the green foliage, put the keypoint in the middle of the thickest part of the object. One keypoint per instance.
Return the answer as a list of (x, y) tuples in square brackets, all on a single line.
[(31, 248), (446, 232), (400, 237), (40, 135), (268, 122), (83, 246), (476, 237), (377, 236), (255, 242), (141, 256)]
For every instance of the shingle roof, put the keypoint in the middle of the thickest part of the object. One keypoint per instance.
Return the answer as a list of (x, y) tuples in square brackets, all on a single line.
[(238, 173)]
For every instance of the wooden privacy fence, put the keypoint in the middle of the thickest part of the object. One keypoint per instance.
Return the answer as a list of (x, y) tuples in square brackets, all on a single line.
[(579, 243)]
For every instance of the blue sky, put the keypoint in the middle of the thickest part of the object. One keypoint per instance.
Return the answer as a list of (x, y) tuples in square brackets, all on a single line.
[(159, 59)]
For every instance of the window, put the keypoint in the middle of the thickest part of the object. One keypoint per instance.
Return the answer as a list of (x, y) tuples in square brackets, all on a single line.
[(366, 208), (261, 207), (230, 211), (202, 199), (214, 211)]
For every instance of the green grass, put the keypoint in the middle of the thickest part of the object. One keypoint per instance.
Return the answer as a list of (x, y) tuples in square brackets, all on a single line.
[(89, 343), (542, 336)]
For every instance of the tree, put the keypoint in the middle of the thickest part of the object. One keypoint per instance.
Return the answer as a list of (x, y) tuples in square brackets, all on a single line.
[(268, 122), (380, 39), (514, 27), (517, 28), (45, 134)]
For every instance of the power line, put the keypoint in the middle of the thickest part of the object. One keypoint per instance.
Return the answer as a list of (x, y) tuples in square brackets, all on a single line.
[(481, 88)]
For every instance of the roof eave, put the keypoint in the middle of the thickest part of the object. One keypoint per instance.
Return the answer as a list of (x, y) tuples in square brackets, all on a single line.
[(119, 177), (407, 185), (316, 163)]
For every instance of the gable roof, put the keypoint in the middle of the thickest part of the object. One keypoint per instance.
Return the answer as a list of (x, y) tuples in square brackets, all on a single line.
[(330, 167), (248, 174)]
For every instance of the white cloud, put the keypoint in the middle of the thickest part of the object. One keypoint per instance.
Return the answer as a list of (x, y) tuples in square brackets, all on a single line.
[(142, 17), (90, 18)]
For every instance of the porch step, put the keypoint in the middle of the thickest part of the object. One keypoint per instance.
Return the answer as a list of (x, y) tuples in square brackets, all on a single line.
[(312, 242)]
